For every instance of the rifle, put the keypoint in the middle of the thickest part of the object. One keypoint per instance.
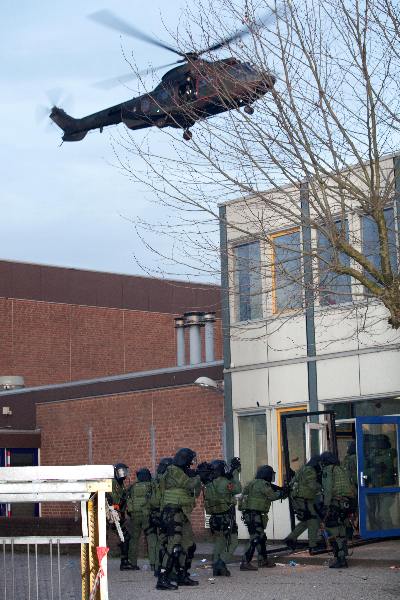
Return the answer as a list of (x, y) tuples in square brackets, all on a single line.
[(113, 518), (232, 514)]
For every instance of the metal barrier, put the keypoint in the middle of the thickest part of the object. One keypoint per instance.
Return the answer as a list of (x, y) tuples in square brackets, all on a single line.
[(42, 572)]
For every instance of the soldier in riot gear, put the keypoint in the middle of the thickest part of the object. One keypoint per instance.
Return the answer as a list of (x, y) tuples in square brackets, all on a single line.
[(255, 503), (180, 486), (305, 495), (219, 500), (138, 508), (338, 494), (118, 498), (155, 512)]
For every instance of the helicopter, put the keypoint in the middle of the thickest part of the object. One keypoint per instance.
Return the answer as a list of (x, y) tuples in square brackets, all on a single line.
[(194, 89)]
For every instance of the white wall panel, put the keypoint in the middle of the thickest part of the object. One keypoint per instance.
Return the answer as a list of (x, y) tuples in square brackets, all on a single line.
[(249, 387), (338, 377), (374, 329), (248, 344), (336, 329), (287, 338), (288, 384), (380, 372)]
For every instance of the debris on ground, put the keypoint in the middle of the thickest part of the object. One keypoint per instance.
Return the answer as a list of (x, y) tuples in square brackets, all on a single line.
[(293, 563)]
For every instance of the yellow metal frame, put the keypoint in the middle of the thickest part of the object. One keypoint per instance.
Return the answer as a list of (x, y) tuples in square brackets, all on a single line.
[(279, 413), (271, 238)]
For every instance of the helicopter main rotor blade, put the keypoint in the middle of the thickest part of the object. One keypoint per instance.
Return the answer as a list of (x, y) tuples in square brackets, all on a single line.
[(107, 84), (108, 19), (240, 33)]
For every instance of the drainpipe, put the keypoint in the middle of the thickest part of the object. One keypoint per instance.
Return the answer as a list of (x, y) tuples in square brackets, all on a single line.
[(180, 341), (209, 320), (194, 320)]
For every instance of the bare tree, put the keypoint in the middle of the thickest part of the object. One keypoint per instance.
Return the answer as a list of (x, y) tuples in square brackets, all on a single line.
[(329, 125)]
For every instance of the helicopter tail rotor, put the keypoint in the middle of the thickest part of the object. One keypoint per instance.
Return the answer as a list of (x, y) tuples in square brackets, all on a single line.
[(68, 124)]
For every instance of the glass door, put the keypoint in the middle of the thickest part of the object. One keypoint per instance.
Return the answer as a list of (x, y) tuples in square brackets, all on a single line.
[(317, 433), (378, 442)]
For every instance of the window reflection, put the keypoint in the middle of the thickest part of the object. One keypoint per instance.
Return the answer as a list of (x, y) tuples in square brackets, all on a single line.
[(287, 279), (333, 288), (248, 282), (252, 444)]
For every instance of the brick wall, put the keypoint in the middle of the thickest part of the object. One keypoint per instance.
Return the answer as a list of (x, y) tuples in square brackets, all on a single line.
[(121, 426), (50, 342)]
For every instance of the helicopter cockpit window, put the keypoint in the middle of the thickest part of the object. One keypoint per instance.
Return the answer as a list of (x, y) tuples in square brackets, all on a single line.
[(187, 89), (145, 105)]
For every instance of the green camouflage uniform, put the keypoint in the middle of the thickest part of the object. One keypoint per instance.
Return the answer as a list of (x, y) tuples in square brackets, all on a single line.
[(155, 517), (338, 494), (179, 492), (304, 491), (220, 505), (118, 498), (138, 507), (255, 503)]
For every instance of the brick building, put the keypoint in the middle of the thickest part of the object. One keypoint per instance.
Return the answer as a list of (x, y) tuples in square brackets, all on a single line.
[(98, 353)]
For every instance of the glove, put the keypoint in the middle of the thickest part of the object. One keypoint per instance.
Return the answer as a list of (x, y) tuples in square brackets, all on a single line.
[(203, 471), (191, 473), (235, 464)]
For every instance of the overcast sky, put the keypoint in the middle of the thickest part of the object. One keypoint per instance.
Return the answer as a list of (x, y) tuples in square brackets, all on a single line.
[(66, 205)]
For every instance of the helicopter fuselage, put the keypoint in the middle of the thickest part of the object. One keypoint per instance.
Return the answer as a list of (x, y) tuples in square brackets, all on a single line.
[(190, 92)]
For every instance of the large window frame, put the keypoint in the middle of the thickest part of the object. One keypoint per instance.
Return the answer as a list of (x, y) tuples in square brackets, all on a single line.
[(276, 310), (264, 460), (324, 273), (374, 257), (301, 408), (245, 295)]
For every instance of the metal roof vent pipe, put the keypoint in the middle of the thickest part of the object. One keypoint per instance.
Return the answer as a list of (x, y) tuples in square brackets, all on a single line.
[(180, 341), (209, 320), (11, 382), (194, 320)]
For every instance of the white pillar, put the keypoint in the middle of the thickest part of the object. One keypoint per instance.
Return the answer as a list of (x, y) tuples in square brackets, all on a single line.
[(209, 320), (180, 341), (194, 320)]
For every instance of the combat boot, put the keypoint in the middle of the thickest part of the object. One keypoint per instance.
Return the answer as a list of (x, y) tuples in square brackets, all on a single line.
[(185, 580), (247, 566), (163, 583), (290, 543), (264, 563), (126, 565), (338, 563), (220, 569)]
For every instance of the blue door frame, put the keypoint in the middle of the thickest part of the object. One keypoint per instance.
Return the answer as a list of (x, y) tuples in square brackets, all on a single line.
[(364, 491)]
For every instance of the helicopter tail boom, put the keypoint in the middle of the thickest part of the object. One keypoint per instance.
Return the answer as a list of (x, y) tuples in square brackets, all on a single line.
[(69, 125)]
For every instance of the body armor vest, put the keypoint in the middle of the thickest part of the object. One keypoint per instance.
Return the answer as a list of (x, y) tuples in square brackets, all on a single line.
[(139, 496)]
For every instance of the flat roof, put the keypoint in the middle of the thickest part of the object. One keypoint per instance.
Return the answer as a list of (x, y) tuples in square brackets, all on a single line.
[(109, 290)]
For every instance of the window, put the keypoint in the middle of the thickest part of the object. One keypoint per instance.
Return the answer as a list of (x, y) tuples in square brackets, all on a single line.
[(296, 440), (370, 240), (252, 445), (248, 282), (286, 272), (333, 288)]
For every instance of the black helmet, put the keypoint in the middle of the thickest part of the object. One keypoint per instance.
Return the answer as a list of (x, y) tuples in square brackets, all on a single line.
[(121, 471), (352, 448), (219, 468), (163, 464), (328, 458), (204, 471), (314, 461), (265, 472), (184, 458), (382, 442), (143, 474)]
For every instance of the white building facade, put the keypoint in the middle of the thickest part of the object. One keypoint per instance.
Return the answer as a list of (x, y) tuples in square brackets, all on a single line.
[(340, 354)]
